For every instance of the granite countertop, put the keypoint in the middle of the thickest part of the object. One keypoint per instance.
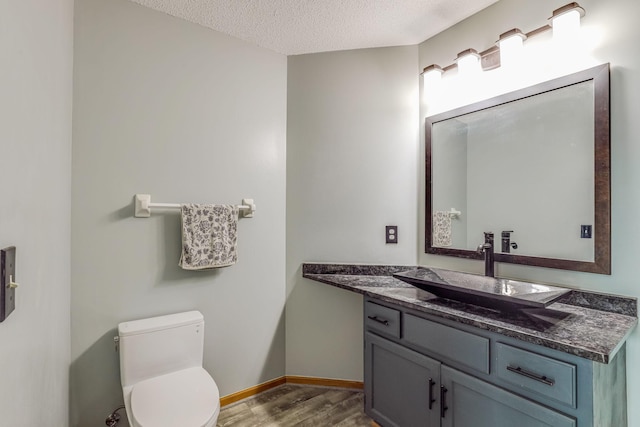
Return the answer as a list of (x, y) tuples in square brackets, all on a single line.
[(590, 325)]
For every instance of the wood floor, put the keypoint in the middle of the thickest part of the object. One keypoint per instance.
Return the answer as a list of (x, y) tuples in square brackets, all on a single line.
[(297, 405)]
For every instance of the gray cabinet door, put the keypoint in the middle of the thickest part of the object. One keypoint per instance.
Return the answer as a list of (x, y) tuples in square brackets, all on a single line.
[(475, 403), (402, 386)]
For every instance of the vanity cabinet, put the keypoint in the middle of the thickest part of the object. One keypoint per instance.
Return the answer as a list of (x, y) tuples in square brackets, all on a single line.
[(423, 371)]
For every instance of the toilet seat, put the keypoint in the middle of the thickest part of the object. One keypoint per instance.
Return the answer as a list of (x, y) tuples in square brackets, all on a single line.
[(187, 398)]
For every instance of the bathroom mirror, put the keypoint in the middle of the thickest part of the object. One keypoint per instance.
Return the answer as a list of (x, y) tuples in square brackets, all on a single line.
[(533, 167)]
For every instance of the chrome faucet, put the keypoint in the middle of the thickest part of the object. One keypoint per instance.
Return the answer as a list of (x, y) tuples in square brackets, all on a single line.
[(487, 249)]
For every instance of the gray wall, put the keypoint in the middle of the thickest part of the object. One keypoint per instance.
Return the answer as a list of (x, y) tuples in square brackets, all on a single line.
[(614, 22), (183, 113), (351, 170), (36, 42)]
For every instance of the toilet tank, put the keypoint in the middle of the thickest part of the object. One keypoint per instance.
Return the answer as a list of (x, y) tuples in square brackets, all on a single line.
[(160, 345)]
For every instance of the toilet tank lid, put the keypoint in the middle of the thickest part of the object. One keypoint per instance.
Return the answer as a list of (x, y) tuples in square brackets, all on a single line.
[(142, 326)]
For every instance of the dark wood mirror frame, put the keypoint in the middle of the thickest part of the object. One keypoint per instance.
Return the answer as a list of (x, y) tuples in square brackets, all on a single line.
[(602, 176)]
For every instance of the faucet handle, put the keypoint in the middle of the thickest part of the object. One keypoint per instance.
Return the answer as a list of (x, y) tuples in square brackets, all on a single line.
[(483, 247)]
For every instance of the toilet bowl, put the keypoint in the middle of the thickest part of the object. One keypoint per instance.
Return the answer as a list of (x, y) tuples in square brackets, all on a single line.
[(163, 381)]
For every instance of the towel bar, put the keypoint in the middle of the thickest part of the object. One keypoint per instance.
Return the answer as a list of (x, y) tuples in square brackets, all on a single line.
[(453, 213), (143, 206)]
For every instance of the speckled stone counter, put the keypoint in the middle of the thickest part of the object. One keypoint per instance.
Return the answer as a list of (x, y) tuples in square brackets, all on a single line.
[(587, 324)]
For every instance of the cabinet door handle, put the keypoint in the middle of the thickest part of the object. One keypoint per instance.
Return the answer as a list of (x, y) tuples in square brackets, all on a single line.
[(431, 399), (443, 406), (540, 378), (377, 319)]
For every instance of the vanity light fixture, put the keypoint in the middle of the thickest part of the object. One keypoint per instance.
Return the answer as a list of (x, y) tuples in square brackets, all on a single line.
[(565, 21)]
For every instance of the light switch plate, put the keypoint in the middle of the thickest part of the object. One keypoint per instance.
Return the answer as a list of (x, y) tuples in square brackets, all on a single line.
[(7, 275)]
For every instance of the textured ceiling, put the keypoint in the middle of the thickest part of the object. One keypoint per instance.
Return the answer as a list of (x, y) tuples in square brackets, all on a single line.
[(295, 27)]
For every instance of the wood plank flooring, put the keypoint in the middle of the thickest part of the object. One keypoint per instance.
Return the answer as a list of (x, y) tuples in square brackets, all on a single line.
[(298, 405)]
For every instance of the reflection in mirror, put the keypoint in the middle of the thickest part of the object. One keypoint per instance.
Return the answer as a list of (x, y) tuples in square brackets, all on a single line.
[(532, 167)]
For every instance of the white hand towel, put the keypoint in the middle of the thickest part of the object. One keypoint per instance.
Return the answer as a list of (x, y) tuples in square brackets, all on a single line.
[(209, 236), (441, 233)]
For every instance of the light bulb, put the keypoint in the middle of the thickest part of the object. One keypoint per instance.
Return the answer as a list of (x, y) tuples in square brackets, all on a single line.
[(511, 45), (431, 77), (468, 62), (566, 21)]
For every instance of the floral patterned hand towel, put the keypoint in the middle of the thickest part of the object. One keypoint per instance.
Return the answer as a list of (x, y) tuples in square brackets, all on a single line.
[(209, 236), (441, 234)]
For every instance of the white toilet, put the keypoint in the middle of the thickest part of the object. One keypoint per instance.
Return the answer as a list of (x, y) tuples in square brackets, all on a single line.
[(163, 381)]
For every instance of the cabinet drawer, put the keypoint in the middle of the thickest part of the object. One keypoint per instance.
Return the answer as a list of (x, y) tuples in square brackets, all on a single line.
[(382, 319), (467, 349), (537, 374)]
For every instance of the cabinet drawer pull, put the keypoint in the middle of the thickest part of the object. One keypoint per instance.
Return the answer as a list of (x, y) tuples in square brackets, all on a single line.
[(376, 319), (443, 406), (431, 399), (520, 371)]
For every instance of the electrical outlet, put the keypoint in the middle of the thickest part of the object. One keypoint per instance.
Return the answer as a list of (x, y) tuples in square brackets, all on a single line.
[(391, 233), (585, 231), (7, 281)]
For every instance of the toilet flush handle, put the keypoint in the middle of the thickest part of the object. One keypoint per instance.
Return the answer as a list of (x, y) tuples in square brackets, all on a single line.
[(116, 341)]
